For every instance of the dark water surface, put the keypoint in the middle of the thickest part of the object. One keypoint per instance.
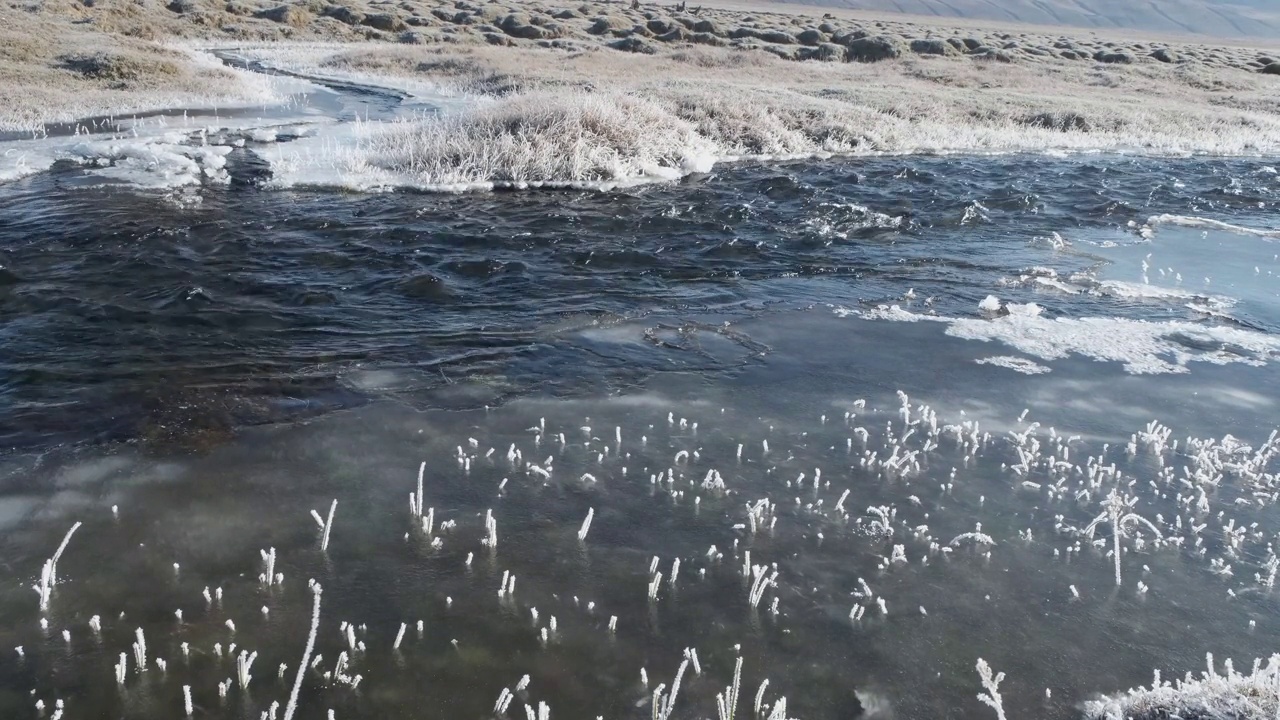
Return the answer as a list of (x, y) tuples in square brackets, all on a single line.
[(220, 363)]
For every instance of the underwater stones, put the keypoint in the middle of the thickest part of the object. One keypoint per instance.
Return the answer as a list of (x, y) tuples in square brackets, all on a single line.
[(874, 49)]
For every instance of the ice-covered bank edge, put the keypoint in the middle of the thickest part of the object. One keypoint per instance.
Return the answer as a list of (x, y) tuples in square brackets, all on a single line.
[(610, 139), (481, 119)]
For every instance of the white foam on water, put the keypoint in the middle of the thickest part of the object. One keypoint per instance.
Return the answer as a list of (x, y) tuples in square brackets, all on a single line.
[(1014, 363), (1209, 224), (1142, 347)]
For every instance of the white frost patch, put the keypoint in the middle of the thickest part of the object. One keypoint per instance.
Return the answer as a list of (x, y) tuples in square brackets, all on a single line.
[(1016, 364), (156, 163), (1142, 347), (24, 157), (1206, 223), (153, 153)]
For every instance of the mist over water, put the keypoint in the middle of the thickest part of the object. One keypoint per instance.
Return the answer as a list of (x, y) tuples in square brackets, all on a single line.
[(218, 363)]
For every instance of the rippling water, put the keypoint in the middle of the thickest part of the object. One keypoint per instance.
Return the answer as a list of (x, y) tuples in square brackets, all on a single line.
[(123, 311), (157, 349)]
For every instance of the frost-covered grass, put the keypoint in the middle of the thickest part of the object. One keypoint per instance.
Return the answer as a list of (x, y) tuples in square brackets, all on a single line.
[(54, 74), (1229, 695), (601, 118)]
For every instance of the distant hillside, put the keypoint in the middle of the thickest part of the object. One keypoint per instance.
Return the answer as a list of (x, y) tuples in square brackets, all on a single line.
[(1223, 18)]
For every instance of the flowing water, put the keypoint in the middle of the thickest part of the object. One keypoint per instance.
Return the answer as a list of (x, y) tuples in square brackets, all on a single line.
[(216, 363)]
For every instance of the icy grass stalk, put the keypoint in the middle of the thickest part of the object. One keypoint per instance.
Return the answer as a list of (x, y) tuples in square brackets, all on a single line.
[(992, 685), (244, 663), (140, 650), (586, 524), (328, 526), (491, 530), (186, 699), (292, 705), (664, 704), (727, 701), (49, 572), (1116, 511)]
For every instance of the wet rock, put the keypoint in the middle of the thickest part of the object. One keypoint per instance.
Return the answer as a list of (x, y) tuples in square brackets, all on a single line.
[(874, 49)]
